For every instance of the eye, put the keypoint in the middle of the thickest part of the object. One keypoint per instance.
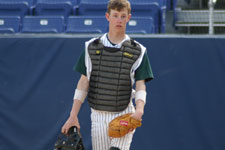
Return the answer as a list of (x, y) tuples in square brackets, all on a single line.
[(115, 15), (123, 17)]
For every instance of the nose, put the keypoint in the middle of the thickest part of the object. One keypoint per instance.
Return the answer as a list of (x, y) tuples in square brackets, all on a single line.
[(119, 19)]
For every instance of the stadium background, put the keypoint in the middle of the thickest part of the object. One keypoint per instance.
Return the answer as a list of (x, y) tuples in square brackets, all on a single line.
[(186, 100)]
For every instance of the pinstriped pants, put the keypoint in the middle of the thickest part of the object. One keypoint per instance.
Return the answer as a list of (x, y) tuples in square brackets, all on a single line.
[(99, 132)]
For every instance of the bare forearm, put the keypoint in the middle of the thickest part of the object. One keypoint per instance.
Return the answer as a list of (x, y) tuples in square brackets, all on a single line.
[(140, 103), (82, 85), (75, 108)]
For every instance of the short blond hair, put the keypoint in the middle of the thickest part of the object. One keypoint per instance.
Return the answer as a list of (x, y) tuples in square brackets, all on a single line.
[(119, 5)]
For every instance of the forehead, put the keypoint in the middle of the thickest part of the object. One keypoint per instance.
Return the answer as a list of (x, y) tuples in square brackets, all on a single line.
[(122, 12)]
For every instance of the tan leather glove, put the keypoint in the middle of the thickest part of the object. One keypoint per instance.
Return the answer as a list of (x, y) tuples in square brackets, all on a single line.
[(121, 125)]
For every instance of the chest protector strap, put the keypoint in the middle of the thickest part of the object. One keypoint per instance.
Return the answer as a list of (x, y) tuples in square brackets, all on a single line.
[(110, 84)]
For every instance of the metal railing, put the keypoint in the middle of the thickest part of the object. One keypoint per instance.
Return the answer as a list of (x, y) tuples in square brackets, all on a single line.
[(209, 20)]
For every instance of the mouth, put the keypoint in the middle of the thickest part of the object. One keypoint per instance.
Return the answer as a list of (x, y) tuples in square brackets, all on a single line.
[(118, 26)]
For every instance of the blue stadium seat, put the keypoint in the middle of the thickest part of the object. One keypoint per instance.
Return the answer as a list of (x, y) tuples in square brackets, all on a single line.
[(34, 2), (152, 8), (169, 5), (9, 24), (55, 7), (162, 2), (148, 8), (163, 8), (92, 7), (86, 24), (28, 2), (140, 25), (15, 7), (43, 24)]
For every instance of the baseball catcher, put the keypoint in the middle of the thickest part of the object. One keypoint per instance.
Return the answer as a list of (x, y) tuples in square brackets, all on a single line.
[(70, 141), (111, 65)]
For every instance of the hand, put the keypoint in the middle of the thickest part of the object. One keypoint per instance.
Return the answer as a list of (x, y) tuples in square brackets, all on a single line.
[(137, 115), (72, 121)]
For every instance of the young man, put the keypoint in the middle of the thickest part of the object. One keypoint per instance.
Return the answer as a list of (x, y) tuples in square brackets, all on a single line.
[(110, 65)]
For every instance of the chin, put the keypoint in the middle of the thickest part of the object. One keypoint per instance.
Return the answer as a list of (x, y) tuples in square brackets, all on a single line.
[(120, 29)]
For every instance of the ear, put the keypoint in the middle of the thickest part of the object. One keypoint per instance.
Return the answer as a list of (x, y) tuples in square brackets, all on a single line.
[(129, 16), (107, 16)]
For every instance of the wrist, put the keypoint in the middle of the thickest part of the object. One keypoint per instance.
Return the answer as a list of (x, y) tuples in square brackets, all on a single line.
[(140, 106), (73, 115), (139, 111)]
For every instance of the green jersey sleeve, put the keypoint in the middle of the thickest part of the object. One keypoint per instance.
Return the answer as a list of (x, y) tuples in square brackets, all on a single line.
[(144, 71), (80, 65)]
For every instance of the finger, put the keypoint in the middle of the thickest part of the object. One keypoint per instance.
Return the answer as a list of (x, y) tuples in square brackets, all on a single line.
[(63, 130), (136, 117), (66, 131), (131, 129), (78, 129)]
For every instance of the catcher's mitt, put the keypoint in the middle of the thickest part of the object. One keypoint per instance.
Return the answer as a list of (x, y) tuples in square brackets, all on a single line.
[(121, 125), (71, 141)]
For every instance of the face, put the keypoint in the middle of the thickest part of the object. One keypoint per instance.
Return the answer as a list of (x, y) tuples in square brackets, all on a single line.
[(118, 20)]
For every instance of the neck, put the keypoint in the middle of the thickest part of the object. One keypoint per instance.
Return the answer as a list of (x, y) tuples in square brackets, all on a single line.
[(116, 38)]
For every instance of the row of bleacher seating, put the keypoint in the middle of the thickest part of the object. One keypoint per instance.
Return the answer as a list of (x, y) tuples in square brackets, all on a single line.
[(73, 24), (156, 9)]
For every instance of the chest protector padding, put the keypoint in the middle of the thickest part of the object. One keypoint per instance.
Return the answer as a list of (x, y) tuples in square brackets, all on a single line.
[(110, 82)]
